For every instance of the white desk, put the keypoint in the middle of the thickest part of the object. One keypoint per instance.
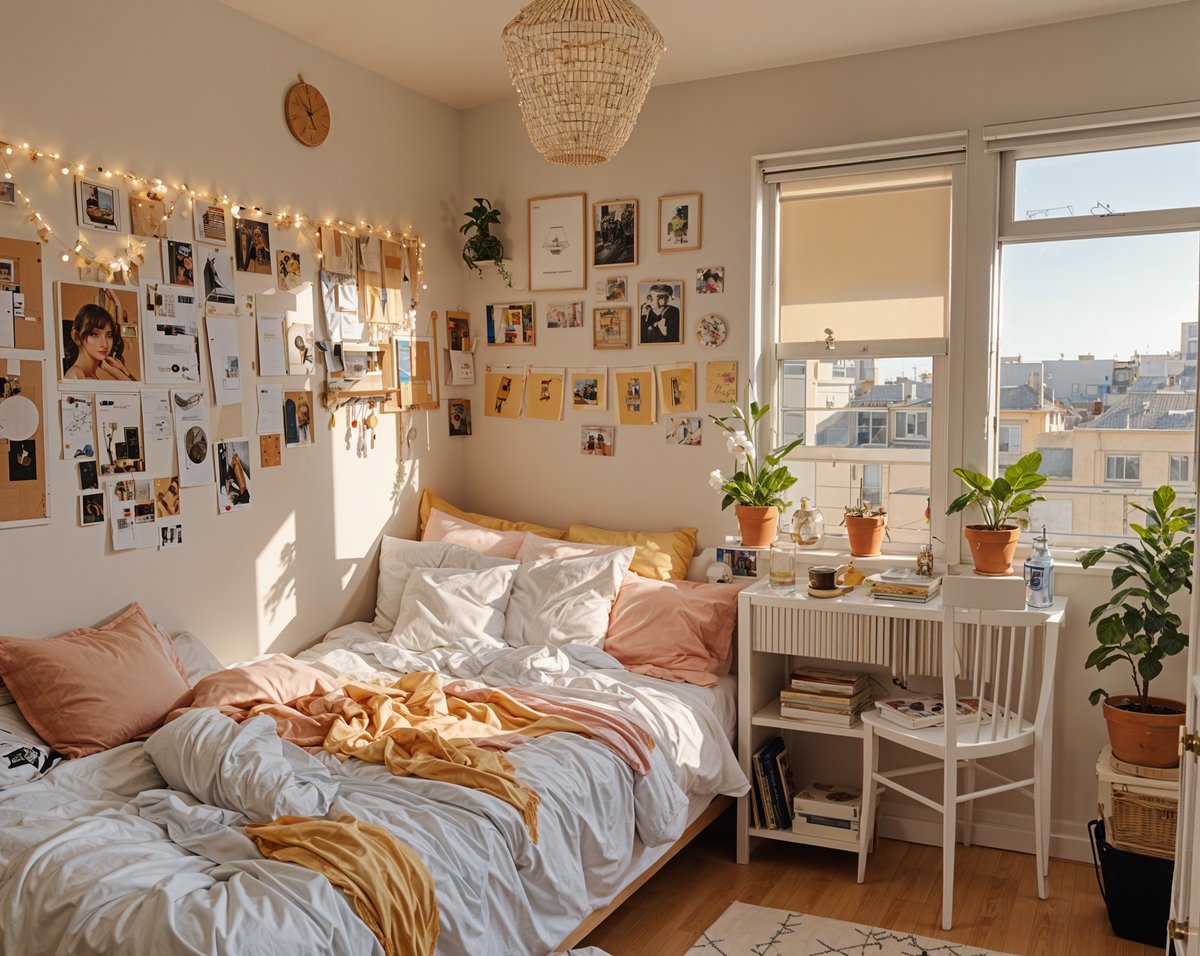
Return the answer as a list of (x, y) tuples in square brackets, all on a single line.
[(775, 627)]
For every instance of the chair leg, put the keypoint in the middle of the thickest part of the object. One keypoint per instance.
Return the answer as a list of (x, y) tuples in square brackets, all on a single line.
[(969, 806), (1041, 819), (866, 824), (949, 819)]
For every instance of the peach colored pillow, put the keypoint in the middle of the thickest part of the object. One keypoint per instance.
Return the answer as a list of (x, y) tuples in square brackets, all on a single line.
[(536, 548), (92, 689), (677, 630), (498, 544)]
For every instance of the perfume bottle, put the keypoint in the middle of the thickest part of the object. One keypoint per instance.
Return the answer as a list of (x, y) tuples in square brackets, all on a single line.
[(1039, 574), (808, 527)]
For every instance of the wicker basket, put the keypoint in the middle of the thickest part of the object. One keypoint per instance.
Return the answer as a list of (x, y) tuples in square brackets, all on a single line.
[(1140, 813)]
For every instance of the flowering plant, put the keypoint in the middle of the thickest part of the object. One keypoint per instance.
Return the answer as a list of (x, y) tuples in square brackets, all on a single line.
[(758, 482)]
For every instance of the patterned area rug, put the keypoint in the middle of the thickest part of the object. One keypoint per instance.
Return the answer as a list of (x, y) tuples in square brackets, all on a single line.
[(745, 930)]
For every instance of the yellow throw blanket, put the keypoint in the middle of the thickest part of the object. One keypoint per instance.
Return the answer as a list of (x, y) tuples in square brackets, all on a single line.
[(415, 729), (389, 887)]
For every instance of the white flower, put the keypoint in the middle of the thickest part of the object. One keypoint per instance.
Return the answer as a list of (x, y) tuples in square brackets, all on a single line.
[(716, 479), (740, 445)]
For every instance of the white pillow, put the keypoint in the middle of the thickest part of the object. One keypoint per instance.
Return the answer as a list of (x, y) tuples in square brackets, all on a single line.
[(197, 660), (398, 557), (537, 548), (499, 544), (565, 600), (445, 607)]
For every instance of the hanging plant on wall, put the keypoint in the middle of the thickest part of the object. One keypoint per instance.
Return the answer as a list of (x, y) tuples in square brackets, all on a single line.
[(481, 245)]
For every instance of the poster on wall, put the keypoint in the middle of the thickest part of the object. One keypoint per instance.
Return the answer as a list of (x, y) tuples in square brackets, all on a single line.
[(635, 396), (557, 243), (545, 400), (224, 360), (252, 246), (677, 387), (504, 389), (119, 433), (210, 222), (98, 338), (131, 512), (589, 389), (217, 274), (78, 427), (168, 519), (233, 476), (171, 333), (297, 418), (192, 438)]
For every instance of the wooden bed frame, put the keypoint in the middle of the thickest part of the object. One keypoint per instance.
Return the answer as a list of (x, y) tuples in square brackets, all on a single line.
[(710, 813)]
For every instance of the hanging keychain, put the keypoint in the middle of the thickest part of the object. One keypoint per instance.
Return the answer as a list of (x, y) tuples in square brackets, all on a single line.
[(372, 420)]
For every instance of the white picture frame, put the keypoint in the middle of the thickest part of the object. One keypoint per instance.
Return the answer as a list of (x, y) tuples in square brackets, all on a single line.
[(557, 243)]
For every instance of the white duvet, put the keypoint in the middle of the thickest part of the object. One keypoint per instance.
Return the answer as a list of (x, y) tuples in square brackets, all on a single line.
[(101, 856)]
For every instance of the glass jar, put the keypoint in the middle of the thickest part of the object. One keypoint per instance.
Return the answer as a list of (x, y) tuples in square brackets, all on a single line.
[(783, 566), (808, 527)]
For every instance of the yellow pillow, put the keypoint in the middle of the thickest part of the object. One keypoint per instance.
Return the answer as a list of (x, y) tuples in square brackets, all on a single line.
[(663, 556), (429, 501)]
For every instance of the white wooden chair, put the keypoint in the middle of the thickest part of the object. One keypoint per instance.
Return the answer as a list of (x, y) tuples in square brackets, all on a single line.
[(994, 649)]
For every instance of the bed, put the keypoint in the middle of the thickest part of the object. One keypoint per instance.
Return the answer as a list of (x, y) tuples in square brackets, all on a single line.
[(99, 855)]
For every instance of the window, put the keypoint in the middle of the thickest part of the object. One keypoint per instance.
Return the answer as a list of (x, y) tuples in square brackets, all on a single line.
[(857, 262), (1099, 242), (1122, 467), (1008, 444)]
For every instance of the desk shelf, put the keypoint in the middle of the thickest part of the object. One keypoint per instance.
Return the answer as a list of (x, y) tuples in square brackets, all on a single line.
[(787, 836), (768, 716)]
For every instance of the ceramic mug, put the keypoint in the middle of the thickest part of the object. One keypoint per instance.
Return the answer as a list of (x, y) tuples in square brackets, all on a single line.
[(822, 577)]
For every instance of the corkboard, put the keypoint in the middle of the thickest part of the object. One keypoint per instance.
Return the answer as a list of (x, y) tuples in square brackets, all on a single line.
[(26, 502), (27, 273)]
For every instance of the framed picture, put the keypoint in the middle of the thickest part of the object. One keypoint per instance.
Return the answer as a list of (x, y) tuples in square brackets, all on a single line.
[(98, 340), (610, 328), (589, 389), (177, 263), (660, 312), (98, 205), (459, 411), (564, 315), (511, 323), (598, 440), (710, 279), (615, 233), (458, 331), (679, 222), (613, 289), (557, 244), (743, 562)]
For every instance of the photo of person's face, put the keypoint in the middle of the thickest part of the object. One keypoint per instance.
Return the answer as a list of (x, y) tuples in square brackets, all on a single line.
[(98, 343), (660, 301)]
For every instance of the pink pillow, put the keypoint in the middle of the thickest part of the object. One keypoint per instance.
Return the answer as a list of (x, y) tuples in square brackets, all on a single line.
[(535, 548), (92, 689), (500, 544), (677, 630)]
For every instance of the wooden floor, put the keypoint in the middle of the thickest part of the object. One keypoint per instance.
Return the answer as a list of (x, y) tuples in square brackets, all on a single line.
[(995, 900)]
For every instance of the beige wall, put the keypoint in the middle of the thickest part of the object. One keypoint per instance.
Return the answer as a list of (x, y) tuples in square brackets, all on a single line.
[(701, 136), (194, 92)]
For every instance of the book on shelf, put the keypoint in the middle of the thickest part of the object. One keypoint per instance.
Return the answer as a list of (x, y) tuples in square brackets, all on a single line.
[(802, 827), (769, 780), (900, 583), (825, 718), (921, 711), (819, 680), (901, 598), (828, 800), (832, 700)]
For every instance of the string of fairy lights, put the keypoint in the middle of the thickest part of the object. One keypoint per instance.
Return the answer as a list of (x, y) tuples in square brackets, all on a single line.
[(158, 188)]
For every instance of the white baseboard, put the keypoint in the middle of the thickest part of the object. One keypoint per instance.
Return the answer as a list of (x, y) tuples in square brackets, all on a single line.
[(992, 828)]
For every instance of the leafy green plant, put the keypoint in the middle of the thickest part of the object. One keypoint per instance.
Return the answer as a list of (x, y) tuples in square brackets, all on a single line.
[(1136, 625), (759, 482), (1002, 501), (481, 245)]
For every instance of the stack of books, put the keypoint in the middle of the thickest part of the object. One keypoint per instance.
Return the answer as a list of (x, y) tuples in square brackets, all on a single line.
[(819, 696), (827, 811), (773, 786), (921, 711), (902, 584)]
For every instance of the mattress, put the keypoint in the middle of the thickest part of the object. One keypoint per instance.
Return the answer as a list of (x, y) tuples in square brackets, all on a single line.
[(100, 857)]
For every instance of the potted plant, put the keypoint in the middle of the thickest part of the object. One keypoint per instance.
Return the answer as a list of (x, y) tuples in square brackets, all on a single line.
[(1003, 503), (865, 527), (758, 485), (1136, 626), (481, 245)]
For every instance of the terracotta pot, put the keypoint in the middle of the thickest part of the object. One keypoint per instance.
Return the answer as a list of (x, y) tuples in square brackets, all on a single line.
[(865, 534), (759, 526), (992, 551), (1148, 740)]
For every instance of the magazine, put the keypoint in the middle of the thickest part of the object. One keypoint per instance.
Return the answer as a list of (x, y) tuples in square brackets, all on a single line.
[(919, 711)]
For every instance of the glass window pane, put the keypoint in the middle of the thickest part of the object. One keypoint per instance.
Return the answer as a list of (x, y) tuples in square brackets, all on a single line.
[(900, 487), (1113, 181)]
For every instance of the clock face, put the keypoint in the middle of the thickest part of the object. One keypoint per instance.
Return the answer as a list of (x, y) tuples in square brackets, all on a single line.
[(307, 114)]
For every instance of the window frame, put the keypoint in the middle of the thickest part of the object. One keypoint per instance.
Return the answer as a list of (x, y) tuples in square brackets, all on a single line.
[(1189, 472), (920, 416), (1110, 457), (1008, 427)]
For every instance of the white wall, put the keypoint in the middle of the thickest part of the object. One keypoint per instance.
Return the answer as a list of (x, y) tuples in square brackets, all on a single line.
[(194, 92), (701, 136)]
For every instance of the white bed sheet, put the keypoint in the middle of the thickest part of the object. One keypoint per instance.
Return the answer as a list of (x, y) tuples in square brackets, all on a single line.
[(98, 857)]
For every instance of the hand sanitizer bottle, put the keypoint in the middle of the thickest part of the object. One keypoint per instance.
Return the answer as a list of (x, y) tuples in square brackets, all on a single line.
[(1039, 574)]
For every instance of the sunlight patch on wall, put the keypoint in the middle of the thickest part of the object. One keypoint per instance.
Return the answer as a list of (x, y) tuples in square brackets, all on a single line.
[(275, 579)]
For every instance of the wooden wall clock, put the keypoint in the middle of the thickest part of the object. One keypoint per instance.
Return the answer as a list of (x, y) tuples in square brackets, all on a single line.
[(306, 113)]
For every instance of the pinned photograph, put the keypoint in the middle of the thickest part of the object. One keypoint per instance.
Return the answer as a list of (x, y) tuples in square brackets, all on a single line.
[(564, 315), (610, 328), (287, 270), (119, 430), (98, 334), (598, 440), (97, 205), (166, 497), (91, 509), (544, 400), (511, 324), (720, 382), (8, 193), (710, 279), (78, 427), (177, 263), (679, 222), (233, 475), (614, 232), (460, 417), (613, 289), (89, 476), (505, 394), (252, 246), (660, 312), (210, 222), (218, 282), (634, 394), (684, 431), (146, 214), (677, 387), (297, 418), (22, 460), (299, 342)]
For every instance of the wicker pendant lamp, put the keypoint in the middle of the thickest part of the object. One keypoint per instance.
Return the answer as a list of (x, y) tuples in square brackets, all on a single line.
[(582, 69)]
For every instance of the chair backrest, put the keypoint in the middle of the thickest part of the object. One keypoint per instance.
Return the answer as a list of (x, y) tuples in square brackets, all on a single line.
[(992, 642)]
